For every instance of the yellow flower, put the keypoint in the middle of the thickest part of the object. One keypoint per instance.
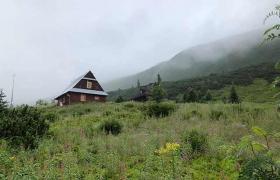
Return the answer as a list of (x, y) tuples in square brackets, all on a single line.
[(169, 147)]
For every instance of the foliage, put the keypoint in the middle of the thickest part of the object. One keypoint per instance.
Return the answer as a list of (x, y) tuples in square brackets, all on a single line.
[(233, 97), (197, 140), (119, 99), (260, 167), (77, 149), (111, 127), (272, 32), (23, 126), (158, 93), (41, 102), (170, 149), (191, 96), (160, 109), (3, 103), (217, 84)]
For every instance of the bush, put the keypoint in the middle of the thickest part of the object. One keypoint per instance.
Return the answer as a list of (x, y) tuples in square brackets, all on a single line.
[(111, 127), (119, 99), (260, 167), (160, 109), (23, 126), (197, 140)]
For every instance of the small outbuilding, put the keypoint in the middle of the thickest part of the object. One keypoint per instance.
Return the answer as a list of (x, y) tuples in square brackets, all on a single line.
[(84, 89)]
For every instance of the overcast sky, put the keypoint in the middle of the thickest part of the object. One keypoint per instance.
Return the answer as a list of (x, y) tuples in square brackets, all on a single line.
[(47, 43)]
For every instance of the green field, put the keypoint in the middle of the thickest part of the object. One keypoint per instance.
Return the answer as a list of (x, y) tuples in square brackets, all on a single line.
[(76, 148)]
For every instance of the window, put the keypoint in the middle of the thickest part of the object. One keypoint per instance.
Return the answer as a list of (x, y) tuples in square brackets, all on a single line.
[(89, 84), (83, 98), (96, 98)]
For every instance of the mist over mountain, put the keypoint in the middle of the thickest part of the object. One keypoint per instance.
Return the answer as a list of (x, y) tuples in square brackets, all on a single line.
[(220, 56)]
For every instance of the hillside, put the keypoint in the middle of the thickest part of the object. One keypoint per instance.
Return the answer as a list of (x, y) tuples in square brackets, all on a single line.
[(221, 56), (243, 77), (76, 148)]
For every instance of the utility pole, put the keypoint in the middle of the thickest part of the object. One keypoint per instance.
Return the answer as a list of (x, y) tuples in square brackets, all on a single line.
[(13, 86)]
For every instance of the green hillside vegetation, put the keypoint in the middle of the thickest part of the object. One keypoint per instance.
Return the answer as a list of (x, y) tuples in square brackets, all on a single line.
[(147, 147), (261, 91), (224, 55), (254, 85)]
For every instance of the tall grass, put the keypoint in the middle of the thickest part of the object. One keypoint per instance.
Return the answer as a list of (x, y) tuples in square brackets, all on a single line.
[(77, 149)]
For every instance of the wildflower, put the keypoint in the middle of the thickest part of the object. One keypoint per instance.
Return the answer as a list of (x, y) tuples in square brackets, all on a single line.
[(169, 147)]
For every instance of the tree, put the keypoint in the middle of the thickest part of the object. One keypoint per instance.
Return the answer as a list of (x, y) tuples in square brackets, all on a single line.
[(138, 84), (3, 103), (274, 31), (158, 79), (158, 93), (233, 97)]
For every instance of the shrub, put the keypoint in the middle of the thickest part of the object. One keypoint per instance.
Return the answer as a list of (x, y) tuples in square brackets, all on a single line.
[(160, 109), (197, 140), (23, 126), (260, 167), (111, 127), (119, 99)]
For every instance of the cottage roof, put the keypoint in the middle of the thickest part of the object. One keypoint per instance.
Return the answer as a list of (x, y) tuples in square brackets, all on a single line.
[(71, 88)]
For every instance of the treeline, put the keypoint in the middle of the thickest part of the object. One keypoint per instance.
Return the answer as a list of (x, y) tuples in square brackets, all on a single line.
[(202, 85)]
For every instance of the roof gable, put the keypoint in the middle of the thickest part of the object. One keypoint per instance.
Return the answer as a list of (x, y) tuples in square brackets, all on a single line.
[(88, 76)]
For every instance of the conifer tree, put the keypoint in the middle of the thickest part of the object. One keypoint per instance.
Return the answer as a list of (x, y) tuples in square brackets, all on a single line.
[(233, 97), (158, 79), (3, 103), (158, 93), (138, 84)]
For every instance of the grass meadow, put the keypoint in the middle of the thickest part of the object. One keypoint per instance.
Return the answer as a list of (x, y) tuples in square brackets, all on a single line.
[(76, 148)]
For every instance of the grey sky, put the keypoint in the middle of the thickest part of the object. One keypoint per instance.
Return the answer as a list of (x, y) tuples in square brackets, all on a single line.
[(47, 43)]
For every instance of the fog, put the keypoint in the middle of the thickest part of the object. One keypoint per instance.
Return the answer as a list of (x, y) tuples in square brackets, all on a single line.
[(46, 44)]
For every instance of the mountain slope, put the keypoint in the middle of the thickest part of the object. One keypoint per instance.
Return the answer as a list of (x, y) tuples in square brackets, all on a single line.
[(221, 56), (243, 77)]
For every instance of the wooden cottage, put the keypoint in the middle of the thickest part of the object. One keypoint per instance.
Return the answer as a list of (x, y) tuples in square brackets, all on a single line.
[(84, 89)]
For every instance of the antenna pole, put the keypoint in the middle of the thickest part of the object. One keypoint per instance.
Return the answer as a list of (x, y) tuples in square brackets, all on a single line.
[(13, 86)]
